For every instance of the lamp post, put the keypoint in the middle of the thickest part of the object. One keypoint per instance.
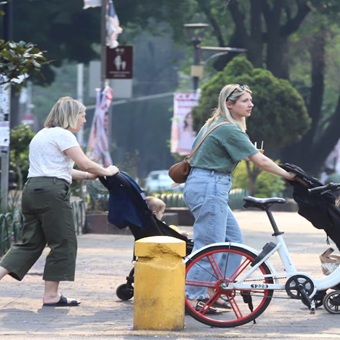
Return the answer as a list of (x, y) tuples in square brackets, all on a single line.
[(195, 31), (197, 68)]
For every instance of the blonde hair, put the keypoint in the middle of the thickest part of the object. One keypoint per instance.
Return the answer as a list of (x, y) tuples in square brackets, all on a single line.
[(232, 93), (154, 203), (64, 113)]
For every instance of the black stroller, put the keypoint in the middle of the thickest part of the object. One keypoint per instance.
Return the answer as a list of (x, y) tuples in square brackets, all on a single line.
[(317, 203), (128, 209), (320, 210)]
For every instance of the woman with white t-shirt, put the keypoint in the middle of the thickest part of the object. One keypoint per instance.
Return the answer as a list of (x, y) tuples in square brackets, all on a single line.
[(46, 201)]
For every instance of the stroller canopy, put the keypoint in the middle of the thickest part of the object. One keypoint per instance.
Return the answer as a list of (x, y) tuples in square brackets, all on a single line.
[(319, 209), (127, 205)]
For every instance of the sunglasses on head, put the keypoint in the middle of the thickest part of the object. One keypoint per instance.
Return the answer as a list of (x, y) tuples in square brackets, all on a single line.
[(239, 88)]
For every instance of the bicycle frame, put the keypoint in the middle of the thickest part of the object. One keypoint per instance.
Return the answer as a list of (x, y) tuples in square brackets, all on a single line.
[(244, 278)]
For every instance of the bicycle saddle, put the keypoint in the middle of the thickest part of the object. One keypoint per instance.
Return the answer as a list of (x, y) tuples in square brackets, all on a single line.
[(261, 203)]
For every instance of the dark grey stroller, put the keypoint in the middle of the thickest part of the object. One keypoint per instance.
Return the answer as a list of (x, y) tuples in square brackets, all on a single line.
[(128, 209)]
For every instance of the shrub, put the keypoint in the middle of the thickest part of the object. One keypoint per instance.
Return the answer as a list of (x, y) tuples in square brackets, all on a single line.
[(266, 185)]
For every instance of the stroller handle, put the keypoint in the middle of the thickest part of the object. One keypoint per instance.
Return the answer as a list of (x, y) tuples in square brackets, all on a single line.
[(325, 188)]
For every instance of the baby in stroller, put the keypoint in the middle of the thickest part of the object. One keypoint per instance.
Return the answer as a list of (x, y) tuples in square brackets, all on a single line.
[(157, 206), (128, 208)]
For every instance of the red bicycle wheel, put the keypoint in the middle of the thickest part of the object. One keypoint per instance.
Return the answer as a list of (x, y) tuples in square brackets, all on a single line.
[(216, 269)]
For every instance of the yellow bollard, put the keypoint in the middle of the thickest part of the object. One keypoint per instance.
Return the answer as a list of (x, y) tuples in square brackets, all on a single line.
[(159, 284)]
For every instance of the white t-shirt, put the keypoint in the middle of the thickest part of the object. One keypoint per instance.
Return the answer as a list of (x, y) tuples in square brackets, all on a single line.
[(46, 153)]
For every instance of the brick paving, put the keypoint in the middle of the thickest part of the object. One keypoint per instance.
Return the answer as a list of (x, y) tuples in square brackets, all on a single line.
[(105, 260)]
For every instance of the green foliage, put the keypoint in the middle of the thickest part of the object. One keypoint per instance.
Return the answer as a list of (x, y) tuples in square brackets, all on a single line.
[(19, 59), (266, 185), (97, 196), (21, 137), (130, 163), (70, 33), (279, 117)]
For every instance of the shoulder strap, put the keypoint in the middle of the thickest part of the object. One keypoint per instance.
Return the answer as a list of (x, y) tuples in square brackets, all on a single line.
[(201, 141)]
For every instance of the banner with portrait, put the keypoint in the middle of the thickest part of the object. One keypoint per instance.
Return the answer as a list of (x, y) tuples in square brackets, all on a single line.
[(182, 133)]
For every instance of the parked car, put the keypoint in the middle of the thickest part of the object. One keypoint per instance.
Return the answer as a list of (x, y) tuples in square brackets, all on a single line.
[(159, 180)]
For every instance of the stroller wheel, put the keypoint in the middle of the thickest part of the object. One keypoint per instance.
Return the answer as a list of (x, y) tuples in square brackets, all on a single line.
[(124, 292), (331, 302)]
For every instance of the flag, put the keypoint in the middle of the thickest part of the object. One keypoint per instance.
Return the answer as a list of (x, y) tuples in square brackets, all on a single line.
[(112, 22), (112, 26), (182, 133), (92, 3), (98, 142)]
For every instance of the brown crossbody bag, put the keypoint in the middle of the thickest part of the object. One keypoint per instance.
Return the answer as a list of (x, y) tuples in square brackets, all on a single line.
[(179, 171)]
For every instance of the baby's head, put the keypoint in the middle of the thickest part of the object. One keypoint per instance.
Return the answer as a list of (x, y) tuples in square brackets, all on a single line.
[(156, 205)]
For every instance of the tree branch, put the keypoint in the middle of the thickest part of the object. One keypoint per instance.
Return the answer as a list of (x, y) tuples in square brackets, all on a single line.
[(203, 4), (293, 24), (238, 18)]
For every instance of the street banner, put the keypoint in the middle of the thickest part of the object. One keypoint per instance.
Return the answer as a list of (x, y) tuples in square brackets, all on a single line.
[(182, 133), (5, 97), (112, 22), (112, 26), (98, 142)]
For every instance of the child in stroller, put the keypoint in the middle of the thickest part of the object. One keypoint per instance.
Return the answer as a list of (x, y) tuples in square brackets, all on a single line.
[(157, 206), (128, 208)]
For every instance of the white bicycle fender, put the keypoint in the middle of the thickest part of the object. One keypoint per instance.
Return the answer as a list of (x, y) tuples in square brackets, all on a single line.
[(240, 245)]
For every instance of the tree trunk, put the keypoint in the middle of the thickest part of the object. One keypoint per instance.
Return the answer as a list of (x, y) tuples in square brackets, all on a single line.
[(304, 152), (253, 173)]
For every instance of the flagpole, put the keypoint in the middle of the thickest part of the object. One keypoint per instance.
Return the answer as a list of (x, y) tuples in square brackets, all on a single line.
[(103, 46)]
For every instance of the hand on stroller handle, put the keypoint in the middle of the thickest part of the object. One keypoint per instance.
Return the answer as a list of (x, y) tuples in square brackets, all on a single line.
[(245, 279)]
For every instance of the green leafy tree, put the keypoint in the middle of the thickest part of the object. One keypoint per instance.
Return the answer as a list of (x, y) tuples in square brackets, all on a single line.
[(266, 184), (320, 37), (269, 30), (21, 137), (68, 32), (19, 60), (279, 116)]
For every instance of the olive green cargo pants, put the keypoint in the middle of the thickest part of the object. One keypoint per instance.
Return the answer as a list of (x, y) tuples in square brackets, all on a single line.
[(48, 220)]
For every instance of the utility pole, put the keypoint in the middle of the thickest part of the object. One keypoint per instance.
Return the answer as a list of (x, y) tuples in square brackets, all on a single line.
[(103, 46), (195, 30), (5, 109), (197, 68), (80, 97)]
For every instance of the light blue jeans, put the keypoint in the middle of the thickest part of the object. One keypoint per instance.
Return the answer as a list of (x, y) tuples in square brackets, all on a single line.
[(206, 194)]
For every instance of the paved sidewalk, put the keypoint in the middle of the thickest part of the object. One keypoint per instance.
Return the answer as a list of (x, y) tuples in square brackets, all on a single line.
[(105, 260)]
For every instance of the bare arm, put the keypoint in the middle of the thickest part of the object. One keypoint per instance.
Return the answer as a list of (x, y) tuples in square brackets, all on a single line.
[(94, 169), (266, 164), (82, 175)]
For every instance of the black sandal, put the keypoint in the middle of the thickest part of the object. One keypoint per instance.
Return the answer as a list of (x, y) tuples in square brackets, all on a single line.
[(202, 307), (63, 302)]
